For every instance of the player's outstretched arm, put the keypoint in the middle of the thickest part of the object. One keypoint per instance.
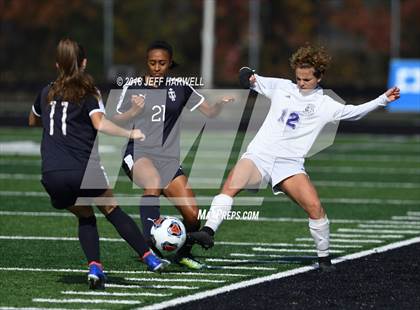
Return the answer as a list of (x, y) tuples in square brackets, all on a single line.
[(104, 125), (356, 112)]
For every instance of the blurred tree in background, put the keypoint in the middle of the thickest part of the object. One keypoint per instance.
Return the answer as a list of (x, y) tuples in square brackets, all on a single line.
[(356, 32)]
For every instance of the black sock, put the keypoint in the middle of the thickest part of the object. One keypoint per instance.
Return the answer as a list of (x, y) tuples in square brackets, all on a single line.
[(208, 230), (186, 249), (128, 230), (89, 238), (149, 209)]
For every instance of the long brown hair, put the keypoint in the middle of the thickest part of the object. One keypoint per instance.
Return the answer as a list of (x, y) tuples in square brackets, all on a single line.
[(72, 83)]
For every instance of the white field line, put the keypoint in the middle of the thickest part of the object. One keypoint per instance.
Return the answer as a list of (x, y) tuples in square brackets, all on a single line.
[(409, 218), (346, 240), (272, 256), (97, 293), (133, 199), (379, 231), (293, 245), (413, 213), (86, 301), (273, 219), (366, 236), (260, 249), (388, 226), (262, 219), (123, 272), (241, 268), (280, 275), (170, 287), (253, 261), (319, 183), (174, 280)]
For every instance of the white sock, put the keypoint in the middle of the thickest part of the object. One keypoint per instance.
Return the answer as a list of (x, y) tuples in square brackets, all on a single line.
[(220, 206), (320, 231)]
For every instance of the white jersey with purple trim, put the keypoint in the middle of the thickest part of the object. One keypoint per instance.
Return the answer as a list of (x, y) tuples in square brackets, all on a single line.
[(295, 120)]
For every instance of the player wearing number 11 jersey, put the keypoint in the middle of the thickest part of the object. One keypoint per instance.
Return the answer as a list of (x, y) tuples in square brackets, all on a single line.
[(70, 111)]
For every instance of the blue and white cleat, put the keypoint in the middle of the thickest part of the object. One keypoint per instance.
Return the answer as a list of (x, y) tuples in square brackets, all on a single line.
[(96, 276), (154, 263)]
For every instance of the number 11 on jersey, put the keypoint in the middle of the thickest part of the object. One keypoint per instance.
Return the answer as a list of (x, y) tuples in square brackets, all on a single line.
[(64, 104)]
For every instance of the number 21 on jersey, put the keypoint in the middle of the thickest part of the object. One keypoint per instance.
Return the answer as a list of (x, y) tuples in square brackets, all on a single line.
[(64, 105)]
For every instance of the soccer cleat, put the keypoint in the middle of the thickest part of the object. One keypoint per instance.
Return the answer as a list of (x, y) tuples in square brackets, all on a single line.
[(201, 237), (96, 276), (325, 264), (191, 263), (154, 263)]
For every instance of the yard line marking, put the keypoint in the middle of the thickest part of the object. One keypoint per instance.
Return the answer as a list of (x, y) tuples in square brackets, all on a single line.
[(380, 231), (272, 256), (259, 249), (346, 240), (54, 238), (366, 236), (171, 287), (254, 261), (87, 301), (410, 218), (242, 200), (387, 226), (300, 245), (405, 185), (174, 280), (96, 293), (124, 272), (280, 275), (241, 268)]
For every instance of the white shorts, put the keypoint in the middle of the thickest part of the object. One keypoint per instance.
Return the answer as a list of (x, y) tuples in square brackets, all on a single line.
[(275, 169)]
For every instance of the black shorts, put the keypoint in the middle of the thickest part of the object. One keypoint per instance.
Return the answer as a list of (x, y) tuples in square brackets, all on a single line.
[(168, 168), (64, 186)]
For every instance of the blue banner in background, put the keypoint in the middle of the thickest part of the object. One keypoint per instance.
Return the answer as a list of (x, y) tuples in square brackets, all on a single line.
[(405, 73)]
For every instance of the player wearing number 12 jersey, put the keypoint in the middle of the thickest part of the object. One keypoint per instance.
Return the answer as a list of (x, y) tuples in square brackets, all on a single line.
[(297, 114), (71, 112)]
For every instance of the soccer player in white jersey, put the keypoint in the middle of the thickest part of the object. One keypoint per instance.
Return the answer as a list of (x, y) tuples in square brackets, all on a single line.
[(298, 113)]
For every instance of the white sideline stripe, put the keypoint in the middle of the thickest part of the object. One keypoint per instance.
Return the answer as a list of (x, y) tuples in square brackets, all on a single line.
[(380, 231), (413, 213), (97, 293), (284, 274), (86, 301), (259, 249), (366, 236), (269, 219), (255, 261), (271, 256), (125, 272), (174, 280), (251, 200), (388, 226), (241, 268), (299, 245), (346, 240), (171, 287), (410, 218), (121, 240)]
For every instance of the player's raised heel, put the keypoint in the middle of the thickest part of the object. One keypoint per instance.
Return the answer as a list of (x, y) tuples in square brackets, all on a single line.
[(154, 263), (96, 276), (325, 264)]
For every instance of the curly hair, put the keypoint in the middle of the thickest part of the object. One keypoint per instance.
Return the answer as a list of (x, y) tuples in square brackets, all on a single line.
[(311, 57)]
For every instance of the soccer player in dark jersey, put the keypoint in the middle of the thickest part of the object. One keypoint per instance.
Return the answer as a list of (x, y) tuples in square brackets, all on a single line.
[(71, 112), (154, 164)]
